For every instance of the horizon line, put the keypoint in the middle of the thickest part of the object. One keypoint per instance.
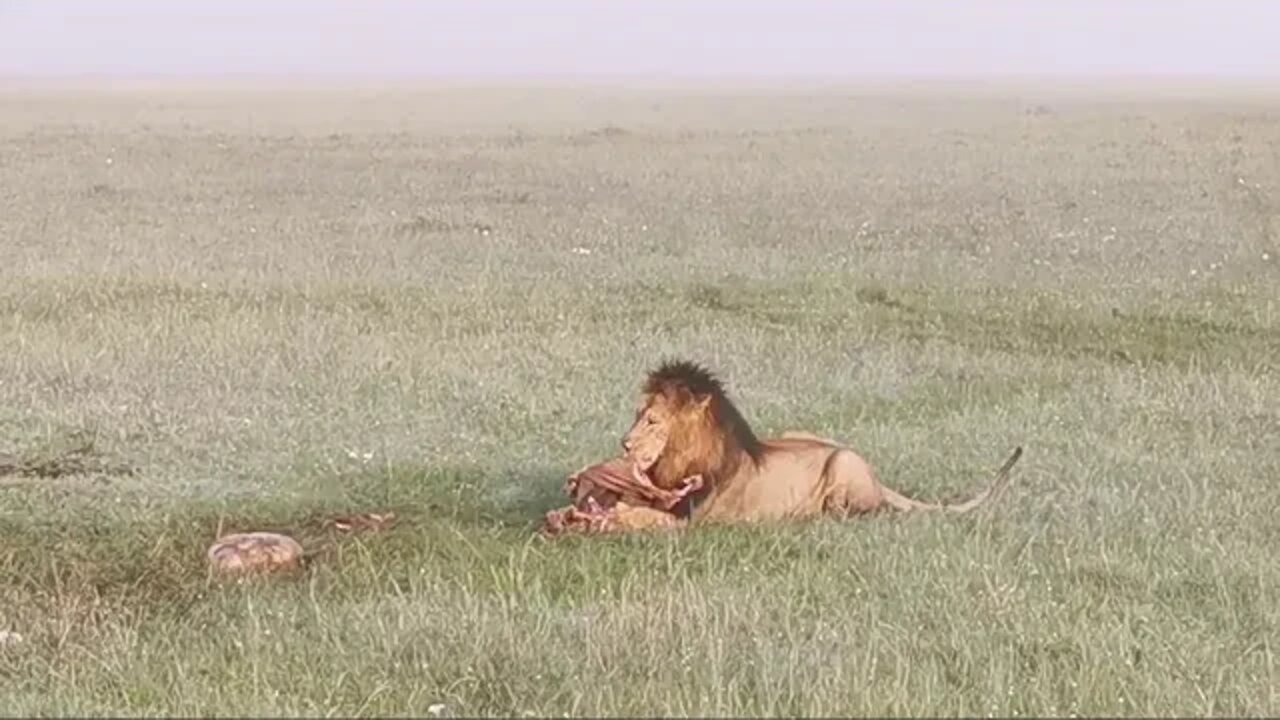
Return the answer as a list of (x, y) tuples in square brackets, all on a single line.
[(649, 78)]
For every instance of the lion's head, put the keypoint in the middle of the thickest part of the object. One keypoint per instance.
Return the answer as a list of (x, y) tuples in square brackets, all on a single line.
[(685, 425)]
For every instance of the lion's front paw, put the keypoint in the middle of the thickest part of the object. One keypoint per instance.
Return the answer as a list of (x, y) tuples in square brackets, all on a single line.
[(590, 518), (624, 517)]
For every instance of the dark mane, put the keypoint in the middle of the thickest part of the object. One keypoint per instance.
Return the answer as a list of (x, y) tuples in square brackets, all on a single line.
[(674, 375)]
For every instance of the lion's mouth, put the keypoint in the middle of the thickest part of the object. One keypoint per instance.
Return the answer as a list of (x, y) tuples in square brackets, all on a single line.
[(645, 461)]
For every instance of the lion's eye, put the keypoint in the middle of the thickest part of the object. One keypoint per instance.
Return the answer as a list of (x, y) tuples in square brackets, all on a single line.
[(651, 420)]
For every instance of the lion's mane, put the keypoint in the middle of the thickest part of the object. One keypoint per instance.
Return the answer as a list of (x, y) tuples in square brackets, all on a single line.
[(715, 439)]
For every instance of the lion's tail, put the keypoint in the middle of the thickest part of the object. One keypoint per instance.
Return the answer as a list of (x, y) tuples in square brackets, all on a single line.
[(901, 502)]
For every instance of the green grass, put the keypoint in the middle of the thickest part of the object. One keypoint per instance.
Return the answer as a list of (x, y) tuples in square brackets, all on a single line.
[(266, 309)]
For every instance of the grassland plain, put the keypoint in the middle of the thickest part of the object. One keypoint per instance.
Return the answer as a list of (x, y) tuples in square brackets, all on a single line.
[(253, 307)]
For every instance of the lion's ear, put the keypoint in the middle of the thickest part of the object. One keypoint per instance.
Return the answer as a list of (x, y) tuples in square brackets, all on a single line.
[(702, 402)]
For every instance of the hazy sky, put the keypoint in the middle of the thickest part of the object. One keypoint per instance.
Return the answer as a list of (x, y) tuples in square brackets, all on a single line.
[(640, 37)]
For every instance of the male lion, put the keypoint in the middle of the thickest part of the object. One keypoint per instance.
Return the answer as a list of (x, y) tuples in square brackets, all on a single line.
[(687, 427)]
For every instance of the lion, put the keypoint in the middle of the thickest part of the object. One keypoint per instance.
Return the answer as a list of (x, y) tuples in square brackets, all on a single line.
[(686, 426)]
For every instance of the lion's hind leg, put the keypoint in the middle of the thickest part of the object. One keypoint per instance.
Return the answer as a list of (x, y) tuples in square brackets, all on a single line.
[(851, 484)]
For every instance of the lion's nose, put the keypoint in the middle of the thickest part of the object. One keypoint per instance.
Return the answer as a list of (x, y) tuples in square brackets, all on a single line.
[(626, 444)]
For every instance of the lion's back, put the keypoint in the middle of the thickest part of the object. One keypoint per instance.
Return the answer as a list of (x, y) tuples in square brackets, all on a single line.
[(787, 481)]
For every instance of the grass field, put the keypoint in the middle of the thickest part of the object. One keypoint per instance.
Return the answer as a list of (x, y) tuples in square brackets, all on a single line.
[(253, 308)]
